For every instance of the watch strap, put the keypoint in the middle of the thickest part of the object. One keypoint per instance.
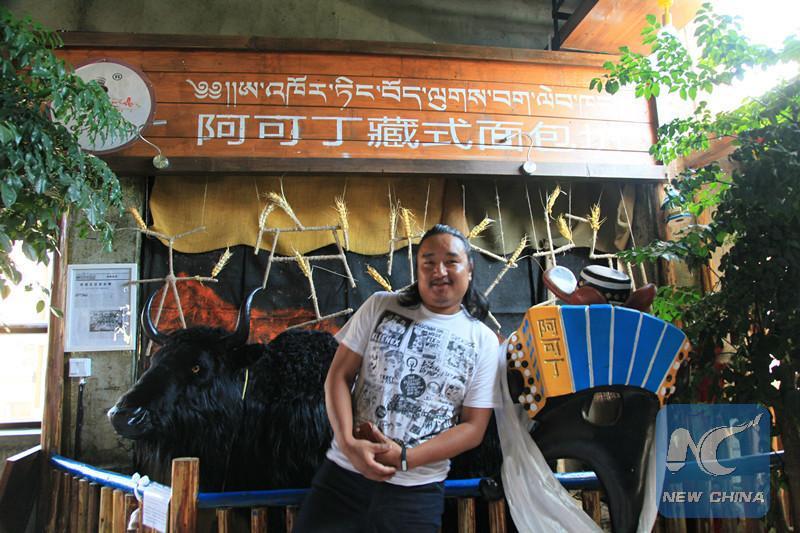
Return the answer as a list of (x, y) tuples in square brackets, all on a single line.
[(403, 459)]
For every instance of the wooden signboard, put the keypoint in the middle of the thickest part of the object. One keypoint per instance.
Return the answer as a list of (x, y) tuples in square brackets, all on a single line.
[(245, 111)]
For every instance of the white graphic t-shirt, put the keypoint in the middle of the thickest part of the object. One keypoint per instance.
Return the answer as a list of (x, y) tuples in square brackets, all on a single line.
[(418, 368)]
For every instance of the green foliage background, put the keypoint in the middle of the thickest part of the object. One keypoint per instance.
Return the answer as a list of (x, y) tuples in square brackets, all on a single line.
[(43, 170), (746, 332)]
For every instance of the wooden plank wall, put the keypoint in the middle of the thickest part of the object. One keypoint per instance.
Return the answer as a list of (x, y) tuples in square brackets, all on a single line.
[(299, 105)]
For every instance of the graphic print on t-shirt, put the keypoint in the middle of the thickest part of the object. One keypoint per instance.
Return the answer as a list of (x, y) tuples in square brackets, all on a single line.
[(415, 378)]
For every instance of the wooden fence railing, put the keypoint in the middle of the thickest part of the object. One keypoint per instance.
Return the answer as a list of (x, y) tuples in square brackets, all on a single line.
[(89, 499)]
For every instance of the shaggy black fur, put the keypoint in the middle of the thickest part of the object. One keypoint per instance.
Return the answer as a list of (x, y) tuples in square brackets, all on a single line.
[(192, 405)]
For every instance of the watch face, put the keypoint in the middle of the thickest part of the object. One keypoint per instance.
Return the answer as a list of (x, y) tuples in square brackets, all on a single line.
[(130, 92)]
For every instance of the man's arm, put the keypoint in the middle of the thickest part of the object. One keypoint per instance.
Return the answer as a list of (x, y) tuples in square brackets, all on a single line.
[(460, 438), (339, 404)]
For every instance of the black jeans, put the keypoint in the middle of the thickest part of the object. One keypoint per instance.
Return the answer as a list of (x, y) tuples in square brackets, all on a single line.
[(342, 501)]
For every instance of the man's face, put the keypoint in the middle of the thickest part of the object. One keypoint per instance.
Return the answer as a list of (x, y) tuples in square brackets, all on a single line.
[(443, 272)]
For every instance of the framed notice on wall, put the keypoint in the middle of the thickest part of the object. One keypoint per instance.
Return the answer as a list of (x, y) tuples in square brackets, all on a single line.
[(101, 308)]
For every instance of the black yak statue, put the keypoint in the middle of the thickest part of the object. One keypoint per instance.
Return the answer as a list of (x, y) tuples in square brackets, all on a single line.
[(253, 414)]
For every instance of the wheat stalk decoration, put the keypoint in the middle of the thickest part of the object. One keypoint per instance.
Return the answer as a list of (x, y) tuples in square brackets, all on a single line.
[(551, 200), (262, 223), (479, 228), (170, 280), (594, 218), (223, 260), (407, 217), (380, 279), (280, 201), (341, 211), (518, 251), (302, 262), (563, 228), (137, 217), (275, 200), (511, 262)]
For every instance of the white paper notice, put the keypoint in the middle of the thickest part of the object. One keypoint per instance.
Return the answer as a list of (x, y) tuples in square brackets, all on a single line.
[(100, 303), (156, 506)]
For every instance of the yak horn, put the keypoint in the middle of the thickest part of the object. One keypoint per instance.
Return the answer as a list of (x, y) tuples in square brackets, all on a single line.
[(242, 333), (150, 330)]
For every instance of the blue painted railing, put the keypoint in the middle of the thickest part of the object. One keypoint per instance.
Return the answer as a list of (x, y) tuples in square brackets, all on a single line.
[(456, 488)]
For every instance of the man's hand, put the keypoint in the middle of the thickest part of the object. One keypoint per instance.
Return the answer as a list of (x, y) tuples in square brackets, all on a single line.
[(363, 455), (368, 431)]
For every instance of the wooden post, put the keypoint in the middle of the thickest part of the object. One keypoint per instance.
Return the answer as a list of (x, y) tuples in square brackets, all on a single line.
[(106, 510), (73, 505), (93, 508), (52, 417), (466, 515), (83, 505), (291, 516), (591, 504), (224, 520), (63, 507), (130, 505), (118, 524), (258, 520), (55, 498), (497, 516), (185, 486)]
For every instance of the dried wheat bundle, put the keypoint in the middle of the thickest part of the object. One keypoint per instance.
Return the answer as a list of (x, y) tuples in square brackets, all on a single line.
[(341, 211), (262, 218), (280, 201), (137, 217), (518, 251), (551, 200), (408, 218), (563, 228), (479, 228), (380, 279), (594, 218), (223, 260), (262, 224), (302, 262)]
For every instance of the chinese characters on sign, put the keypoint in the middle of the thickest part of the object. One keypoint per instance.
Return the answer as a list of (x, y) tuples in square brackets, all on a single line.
[(386, 131)]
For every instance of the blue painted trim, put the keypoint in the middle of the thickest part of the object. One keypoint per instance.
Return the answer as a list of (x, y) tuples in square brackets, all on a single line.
[(456, 488), (98, 475)]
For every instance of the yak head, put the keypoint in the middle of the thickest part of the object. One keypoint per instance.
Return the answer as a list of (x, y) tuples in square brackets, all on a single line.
[(194, 382)]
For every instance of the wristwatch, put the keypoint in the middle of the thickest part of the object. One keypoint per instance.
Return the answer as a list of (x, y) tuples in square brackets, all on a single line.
[(403, 459)]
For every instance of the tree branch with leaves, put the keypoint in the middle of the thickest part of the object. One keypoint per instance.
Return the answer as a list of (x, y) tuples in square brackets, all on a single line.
[(746, 332), (44, 172)]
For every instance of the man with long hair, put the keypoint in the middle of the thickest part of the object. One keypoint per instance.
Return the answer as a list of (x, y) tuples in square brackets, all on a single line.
[(411, 385)]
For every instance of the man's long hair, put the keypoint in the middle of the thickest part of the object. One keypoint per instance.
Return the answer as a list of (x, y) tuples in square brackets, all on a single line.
[(474, 301)]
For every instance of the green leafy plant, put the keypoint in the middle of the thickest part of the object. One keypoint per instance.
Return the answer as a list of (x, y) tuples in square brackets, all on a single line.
[(43, 170), (746, 332)]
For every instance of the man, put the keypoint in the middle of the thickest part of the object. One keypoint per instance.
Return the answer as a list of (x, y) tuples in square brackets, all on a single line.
[(424, 368)]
